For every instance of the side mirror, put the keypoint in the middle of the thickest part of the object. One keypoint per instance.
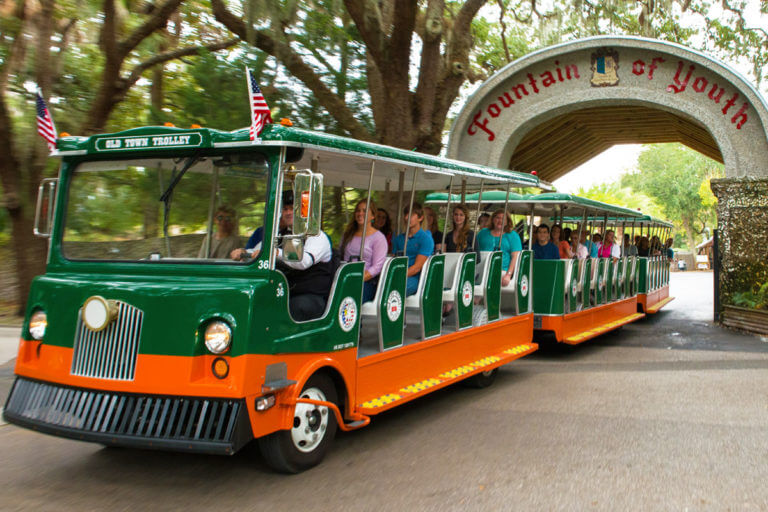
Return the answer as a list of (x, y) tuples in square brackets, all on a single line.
[(307, 203), (46, 199), (293, 249)]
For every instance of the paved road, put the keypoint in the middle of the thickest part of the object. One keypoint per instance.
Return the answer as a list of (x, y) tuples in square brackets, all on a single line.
[(668, 414)]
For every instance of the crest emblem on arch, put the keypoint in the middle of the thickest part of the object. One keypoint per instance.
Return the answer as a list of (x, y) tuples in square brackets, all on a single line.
[(605, 68)]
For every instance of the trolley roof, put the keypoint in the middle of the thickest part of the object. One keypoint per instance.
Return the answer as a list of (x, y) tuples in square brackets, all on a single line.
[(642, 219), (542, 204), (317, 150)]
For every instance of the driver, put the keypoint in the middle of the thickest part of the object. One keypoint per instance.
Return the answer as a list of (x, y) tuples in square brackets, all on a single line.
[(309, 279)]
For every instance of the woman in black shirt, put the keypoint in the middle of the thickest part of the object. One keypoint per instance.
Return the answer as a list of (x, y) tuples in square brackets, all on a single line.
[(461, 238)]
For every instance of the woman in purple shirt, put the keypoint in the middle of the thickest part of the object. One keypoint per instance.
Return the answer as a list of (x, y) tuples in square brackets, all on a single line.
[(375, 252)]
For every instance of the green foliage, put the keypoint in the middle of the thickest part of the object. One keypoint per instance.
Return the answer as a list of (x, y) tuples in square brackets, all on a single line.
[(756, 298), (614, 193), (672, 175)]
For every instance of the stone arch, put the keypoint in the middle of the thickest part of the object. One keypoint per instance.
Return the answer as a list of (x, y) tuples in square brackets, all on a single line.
[(666, 92)]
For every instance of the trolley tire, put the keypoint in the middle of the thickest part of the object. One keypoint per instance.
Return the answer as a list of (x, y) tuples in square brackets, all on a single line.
[(482, 379), (280, 450)]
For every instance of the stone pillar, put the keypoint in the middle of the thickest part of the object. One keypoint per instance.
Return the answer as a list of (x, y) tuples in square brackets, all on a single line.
[(742, 218)]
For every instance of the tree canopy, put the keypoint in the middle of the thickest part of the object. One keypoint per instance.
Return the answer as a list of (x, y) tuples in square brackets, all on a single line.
[(673, 176)]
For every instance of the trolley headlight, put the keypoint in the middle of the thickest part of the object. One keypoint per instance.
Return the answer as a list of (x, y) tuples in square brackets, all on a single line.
[(218, 337), (37, 324)]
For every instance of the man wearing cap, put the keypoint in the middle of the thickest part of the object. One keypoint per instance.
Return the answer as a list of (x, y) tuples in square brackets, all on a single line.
[(286, 223), (309, 279)]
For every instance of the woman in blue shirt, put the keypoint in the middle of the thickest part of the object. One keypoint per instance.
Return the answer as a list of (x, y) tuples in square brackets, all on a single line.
[(500, 236), (420, 246)]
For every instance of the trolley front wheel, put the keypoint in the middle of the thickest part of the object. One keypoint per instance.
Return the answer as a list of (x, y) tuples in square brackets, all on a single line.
[(314, 427)]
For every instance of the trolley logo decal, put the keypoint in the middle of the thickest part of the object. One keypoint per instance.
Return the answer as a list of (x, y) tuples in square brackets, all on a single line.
[(466, 293), (347, 314), (524, 286), (394, 305), (574, 288)]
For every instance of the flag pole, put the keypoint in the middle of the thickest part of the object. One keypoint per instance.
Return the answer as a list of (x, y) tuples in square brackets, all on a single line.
[(250, 104), (53, 125)]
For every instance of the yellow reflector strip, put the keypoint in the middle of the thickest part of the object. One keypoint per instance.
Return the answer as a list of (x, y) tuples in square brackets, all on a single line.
[(420, 386), (457, 372), (518, 349), (582, 336), (485, 361), (382, 400)]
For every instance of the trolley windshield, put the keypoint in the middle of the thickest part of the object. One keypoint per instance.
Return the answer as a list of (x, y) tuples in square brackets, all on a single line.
[(161, 209)]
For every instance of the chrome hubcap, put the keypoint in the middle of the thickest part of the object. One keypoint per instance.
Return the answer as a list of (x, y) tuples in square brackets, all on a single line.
[(310, 422)]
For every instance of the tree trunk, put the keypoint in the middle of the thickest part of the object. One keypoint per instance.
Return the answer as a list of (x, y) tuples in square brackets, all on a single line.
[(690, 233), (28, 250), (30, 253)]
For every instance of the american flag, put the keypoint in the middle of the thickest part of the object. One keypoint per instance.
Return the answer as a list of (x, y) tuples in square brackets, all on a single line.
[(260, 114), (45, 123)]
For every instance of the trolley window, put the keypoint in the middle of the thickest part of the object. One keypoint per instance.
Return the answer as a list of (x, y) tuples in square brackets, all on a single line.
[(165, 209)]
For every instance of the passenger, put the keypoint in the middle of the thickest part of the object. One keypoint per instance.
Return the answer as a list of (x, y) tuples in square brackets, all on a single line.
[(609, 248), (597, 242), (430, 218), (500, 236), (384, 224), (579, 249), (225, 239), (461, 238), (375, 252), (627, 249), (586, 241), (420, 246), (554, 235), (643, 248), (284, 227), (543, 248), (566, 253), (655, 246), (668, 252), (483, 221)]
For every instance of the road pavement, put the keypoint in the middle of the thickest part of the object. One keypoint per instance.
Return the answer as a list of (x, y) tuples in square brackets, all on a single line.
[(669, 413)]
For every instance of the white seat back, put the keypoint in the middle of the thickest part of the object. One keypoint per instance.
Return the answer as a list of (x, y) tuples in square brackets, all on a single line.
[(582, 267), (595, 268), (451, 272), (372, 308)]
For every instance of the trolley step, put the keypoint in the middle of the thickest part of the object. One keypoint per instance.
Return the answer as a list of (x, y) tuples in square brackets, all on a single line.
[(600, 329), (406, 393), (660, 304)]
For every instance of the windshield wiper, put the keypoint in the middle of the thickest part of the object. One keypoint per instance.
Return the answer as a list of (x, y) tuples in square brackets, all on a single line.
[(168, 194), (175, 180)]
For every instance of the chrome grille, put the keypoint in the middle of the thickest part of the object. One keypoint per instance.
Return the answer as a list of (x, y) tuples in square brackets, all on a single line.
[(142, 417), (111, 353)]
